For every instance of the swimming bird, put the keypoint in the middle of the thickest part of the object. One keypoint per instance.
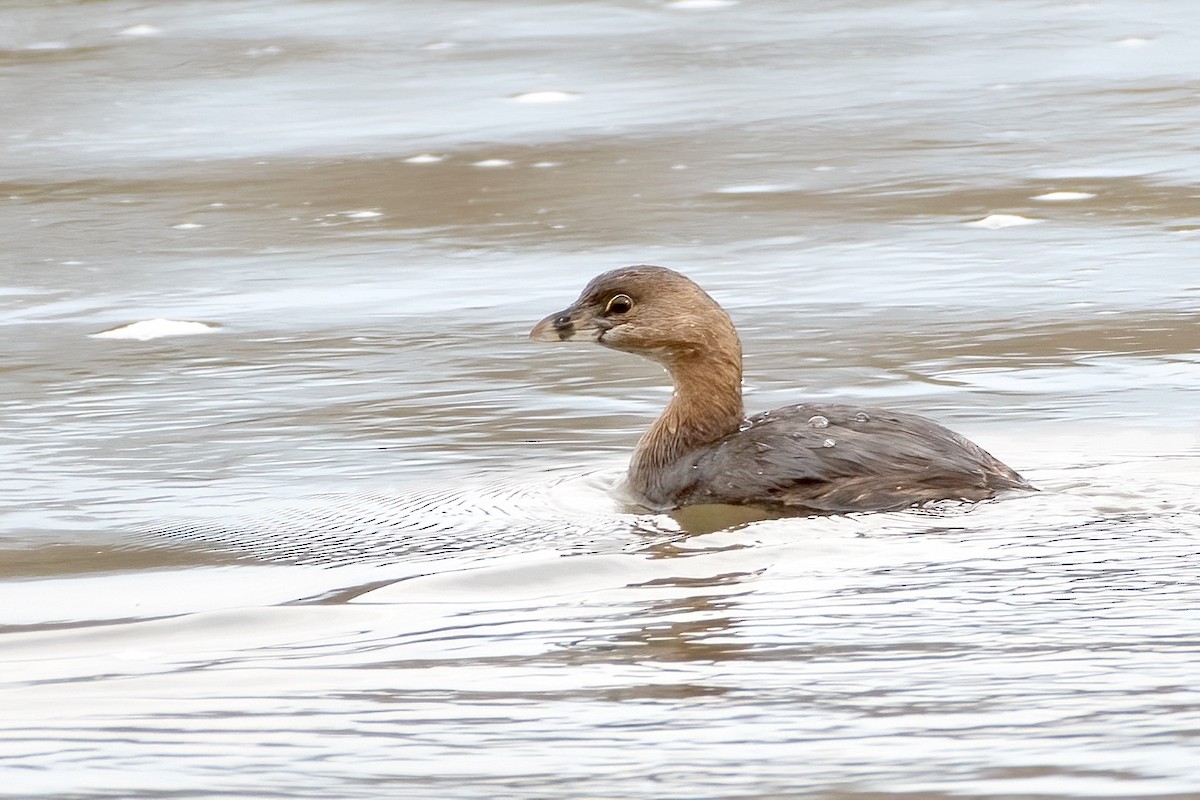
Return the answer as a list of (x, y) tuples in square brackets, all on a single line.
[(807, 458)]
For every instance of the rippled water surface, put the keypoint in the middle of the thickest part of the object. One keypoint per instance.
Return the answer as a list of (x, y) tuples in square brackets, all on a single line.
[(358, 537)]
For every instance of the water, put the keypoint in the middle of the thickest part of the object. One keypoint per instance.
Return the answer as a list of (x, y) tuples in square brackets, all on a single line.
[(361, 539)]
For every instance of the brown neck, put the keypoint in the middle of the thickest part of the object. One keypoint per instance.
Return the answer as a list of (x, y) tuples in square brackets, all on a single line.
[(706, 406)]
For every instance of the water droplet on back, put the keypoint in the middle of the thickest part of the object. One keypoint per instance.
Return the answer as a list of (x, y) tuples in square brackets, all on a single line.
[(818, 421), (828, 443), (862, 416)]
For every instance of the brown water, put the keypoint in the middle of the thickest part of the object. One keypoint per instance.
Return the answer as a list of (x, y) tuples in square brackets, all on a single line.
[(359, 540)]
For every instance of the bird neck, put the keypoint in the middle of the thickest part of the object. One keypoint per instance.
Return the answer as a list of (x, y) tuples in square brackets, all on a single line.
[(706, 406)]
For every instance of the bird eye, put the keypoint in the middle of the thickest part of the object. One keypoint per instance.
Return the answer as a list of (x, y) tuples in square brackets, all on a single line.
[(619, 304)]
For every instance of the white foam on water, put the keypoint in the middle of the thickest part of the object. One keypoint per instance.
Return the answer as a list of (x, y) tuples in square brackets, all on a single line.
[(141, 30), (1063, 197), (424, 158), (1132, 41), (545, 97), (756, 188), (46, 46), (148, 329), (493, 162), (187, 226), (994, 222), (362, 214), (546, 164)]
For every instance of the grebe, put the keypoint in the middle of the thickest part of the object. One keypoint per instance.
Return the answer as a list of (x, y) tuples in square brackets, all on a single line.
[(806, 458)]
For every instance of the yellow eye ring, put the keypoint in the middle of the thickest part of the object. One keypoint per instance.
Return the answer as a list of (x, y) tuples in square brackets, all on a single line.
[(619, 304)]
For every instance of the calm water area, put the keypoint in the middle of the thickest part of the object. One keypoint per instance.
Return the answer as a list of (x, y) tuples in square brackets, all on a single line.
[(351, 535)]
